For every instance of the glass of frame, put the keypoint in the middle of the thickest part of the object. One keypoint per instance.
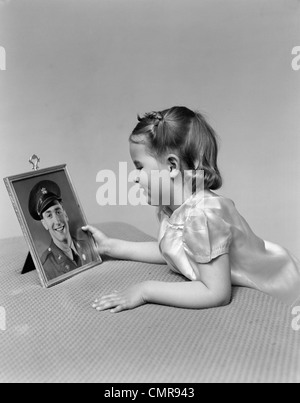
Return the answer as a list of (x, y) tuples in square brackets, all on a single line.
[(51, 218)]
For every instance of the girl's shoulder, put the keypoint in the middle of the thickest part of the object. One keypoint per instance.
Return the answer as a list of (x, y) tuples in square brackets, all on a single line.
[(202, 204), (212, 202)]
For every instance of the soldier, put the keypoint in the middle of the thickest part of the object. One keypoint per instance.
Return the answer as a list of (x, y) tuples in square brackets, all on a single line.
[(65, 253)]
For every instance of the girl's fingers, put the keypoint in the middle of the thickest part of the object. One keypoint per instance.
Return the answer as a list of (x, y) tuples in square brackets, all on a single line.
[(107, 303), (118, 309), (106, 298), (89, 228), (111, 301), (114, 294)]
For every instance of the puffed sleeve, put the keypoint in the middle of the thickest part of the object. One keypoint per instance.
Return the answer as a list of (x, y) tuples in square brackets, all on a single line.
[(206, 236)]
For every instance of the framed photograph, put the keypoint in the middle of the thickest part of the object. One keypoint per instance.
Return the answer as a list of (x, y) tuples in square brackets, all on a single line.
[(51, 218)]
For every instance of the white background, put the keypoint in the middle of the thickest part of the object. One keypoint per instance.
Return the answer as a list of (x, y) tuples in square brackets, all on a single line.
[(79, 71)]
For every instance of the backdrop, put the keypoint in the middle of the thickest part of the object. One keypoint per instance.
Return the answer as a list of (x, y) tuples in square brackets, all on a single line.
[(79, 71)]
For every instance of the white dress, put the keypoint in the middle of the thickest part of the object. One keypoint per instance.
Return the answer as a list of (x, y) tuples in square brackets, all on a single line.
[(207, 226)]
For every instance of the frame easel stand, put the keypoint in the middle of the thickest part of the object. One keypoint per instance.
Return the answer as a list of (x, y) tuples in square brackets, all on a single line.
[(29, 264)]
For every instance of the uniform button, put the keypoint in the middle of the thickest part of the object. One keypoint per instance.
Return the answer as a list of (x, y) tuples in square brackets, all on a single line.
[(49, 250), (84, 257)]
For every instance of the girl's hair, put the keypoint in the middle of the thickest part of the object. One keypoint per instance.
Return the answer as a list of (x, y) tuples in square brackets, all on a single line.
[(185, 133)]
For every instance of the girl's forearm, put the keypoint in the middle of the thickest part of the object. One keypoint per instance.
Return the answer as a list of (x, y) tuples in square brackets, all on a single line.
[(146, 252), (189, 295)]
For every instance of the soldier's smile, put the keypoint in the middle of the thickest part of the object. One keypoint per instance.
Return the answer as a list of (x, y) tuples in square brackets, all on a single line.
[(60, 229), (60, 232)]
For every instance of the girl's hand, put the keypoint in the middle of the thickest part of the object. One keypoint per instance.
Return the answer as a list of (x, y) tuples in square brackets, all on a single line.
[(101, 239), (117, 302)]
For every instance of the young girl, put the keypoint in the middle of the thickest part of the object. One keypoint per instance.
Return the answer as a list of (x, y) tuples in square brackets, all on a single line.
[(204, 238)]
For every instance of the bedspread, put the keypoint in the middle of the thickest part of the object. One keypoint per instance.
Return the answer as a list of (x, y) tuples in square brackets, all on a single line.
[(53, 335)]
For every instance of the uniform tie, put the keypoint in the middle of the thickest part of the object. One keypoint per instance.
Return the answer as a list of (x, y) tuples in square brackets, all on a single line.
[(76, 259)]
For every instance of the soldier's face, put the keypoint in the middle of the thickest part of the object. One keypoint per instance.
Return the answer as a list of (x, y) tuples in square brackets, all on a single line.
[(56, 221)]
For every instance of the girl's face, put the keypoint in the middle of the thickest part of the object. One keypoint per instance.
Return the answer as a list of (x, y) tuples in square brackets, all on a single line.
[(153, 176)]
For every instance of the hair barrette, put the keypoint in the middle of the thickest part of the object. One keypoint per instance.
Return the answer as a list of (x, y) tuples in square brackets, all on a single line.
[(157, 116)]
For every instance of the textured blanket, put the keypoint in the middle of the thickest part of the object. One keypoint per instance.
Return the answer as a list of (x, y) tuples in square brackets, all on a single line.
[(53, 335)]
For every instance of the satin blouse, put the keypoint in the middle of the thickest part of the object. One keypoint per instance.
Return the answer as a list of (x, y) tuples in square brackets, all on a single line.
[(207, 226)]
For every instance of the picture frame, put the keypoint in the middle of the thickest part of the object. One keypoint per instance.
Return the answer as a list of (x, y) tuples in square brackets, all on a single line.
[(51, 218)]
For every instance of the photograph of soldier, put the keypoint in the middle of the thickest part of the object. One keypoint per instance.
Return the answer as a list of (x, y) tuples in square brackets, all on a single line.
[(66, 252)]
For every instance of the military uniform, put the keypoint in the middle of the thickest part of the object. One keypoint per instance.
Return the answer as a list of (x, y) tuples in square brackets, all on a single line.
[(56, 263)]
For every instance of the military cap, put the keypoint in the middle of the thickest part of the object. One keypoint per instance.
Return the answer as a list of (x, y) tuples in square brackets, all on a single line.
[(41, 197)]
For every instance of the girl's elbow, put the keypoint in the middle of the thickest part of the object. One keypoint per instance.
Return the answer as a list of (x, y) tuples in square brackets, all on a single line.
[(225, 301), (221, 299)]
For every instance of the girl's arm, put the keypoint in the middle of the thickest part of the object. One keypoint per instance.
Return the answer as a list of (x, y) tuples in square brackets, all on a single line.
[(146, 252), (213, 290)]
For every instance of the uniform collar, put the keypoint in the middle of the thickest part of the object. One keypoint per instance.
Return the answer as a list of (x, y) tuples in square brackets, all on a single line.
[(59, 253)]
